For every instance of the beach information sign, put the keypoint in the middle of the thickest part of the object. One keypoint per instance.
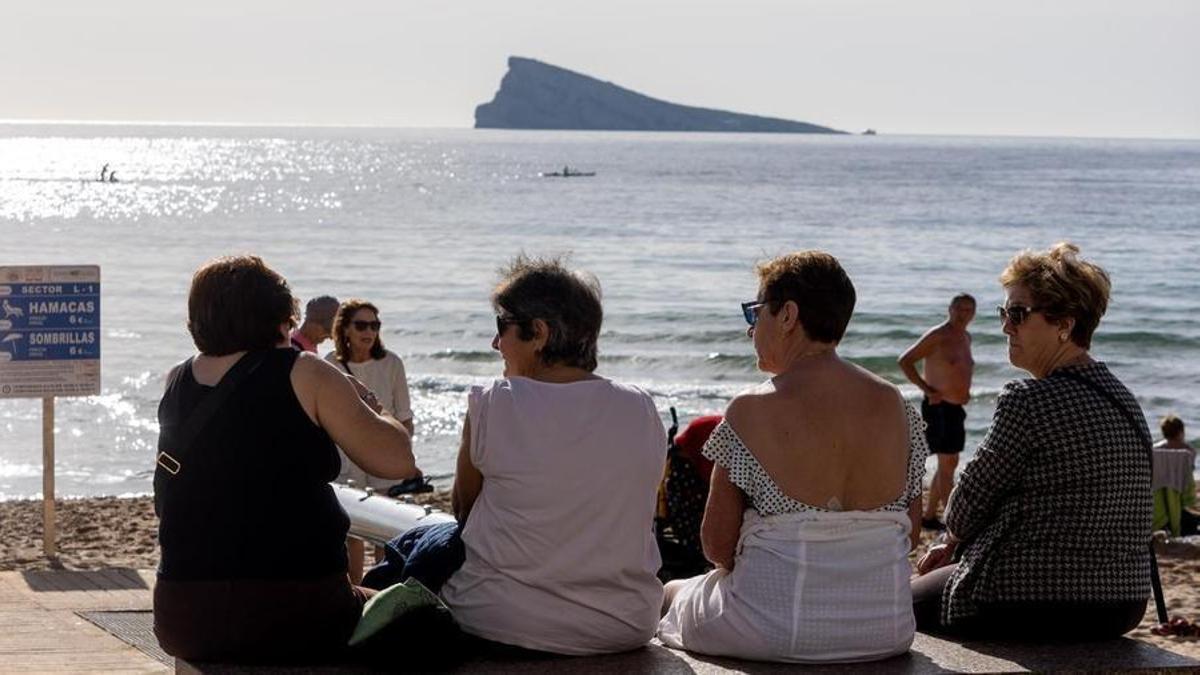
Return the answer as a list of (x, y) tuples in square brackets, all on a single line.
[(49, 331)]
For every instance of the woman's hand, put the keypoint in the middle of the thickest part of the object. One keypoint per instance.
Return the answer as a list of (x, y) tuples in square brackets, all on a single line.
[(938, 555)]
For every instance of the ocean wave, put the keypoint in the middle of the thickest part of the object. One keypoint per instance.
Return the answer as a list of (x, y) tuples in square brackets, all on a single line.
[(706, 337), (439, 385), (1141, 338), (884, 333), (716, 365), (743, 361), (642, 360), (464, 355), (878, 364), (9, 470)]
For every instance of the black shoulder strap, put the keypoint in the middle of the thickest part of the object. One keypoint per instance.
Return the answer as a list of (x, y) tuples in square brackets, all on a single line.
[(172, 462), (1116, 403), (346, 365), (1155, 582), (672, 447)]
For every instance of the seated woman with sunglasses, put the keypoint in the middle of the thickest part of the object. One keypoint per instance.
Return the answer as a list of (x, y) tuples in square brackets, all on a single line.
[(235, 480), (358, 350), (815, 500), (1051, 518), (557, 480)]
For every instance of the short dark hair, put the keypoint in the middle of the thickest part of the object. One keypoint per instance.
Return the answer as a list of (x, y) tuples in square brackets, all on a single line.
[(567, 300), (237, 303), (816, 282), (341, 326), (963, 297), (1171, 426), (322, 310)]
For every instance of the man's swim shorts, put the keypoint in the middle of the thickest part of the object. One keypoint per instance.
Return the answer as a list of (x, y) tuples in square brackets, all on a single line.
[(945, 428)]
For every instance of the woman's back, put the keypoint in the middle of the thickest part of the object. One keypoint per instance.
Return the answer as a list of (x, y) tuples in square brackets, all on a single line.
[(260, 465), (1057, 505), (829, 459), (828, 434), (560, 550)]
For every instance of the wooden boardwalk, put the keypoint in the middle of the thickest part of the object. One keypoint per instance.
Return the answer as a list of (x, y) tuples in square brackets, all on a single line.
[(41, 632)]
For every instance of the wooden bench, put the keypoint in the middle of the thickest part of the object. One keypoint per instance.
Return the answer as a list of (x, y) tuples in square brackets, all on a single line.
[(377, 519), (929, 654)]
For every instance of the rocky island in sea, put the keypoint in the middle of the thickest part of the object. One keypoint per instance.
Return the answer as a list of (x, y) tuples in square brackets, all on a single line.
[(536, 95)]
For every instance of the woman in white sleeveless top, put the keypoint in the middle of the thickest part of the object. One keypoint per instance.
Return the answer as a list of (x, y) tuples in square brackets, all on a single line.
[(815, 495), (556, 481)]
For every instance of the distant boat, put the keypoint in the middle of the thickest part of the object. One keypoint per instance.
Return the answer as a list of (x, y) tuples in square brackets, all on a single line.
[(567, 172), (869, 132)]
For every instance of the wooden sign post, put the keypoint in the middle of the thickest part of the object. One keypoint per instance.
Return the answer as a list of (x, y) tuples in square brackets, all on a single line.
[(49, 525)]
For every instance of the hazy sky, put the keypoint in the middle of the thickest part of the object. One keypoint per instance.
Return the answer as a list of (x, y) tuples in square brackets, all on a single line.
[(1039, 67)]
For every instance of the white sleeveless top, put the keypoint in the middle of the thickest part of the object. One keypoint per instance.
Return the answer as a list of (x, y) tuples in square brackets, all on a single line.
[(560, 549)]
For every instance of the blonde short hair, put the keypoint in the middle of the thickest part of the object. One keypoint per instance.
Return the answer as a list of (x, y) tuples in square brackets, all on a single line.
[(1063, 286)]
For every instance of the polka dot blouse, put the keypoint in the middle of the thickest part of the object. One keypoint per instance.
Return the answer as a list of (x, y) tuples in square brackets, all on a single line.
[(726, 449)]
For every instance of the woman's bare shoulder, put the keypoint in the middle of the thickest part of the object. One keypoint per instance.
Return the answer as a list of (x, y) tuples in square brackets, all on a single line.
[(747, 403), (312, 368)]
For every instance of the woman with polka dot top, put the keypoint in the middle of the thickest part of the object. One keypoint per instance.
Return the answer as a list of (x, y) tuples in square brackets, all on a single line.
[(815, 494)]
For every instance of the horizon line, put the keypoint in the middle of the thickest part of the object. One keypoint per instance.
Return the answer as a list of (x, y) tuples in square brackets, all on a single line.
[(351, 125)]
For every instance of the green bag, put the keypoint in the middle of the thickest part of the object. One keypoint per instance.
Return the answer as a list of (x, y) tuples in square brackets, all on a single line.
[(391, 604)]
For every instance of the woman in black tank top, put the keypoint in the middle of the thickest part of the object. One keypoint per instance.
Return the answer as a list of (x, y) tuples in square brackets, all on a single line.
[(246, 453)]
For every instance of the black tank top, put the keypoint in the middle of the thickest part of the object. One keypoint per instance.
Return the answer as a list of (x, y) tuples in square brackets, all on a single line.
[(252, 499)]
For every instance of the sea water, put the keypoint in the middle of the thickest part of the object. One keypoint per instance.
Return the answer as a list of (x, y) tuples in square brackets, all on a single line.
[(418, 221)]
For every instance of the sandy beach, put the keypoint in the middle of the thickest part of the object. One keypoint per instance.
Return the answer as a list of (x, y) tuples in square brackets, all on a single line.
[(122, 532)]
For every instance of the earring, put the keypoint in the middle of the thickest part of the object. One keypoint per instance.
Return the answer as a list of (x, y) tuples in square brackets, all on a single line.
[(1062, 337)]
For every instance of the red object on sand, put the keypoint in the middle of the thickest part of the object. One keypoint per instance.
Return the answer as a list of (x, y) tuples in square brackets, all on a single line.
[(1177, 626)]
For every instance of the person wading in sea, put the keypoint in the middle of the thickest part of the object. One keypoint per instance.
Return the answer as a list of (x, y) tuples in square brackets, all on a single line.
[(946, 382)]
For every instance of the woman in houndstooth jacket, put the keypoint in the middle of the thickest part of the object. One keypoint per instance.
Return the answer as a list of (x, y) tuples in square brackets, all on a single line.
[(1051, 519)]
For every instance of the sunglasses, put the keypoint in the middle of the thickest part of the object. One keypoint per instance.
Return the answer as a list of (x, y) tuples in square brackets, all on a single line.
[(366, 325), (503, 322), (1015, 314), (750, 310)]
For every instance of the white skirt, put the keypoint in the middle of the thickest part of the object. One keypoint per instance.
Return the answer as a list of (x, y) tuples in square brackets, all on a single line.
[(810, 587)]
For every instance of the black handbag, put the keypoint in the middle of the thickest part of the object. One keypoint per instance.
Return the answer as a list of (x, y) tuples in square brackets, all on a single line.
[(173, 449)]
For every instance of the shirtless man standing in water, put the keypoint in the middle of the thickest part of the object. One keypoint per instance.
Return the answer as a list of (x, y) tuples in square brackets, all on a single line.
[(946, 351)]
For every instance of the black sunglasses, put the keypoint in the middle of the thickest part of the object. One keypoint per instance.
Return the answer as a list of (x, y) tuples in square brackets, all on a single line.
[(503, 322), (750, 310), (364, 325), (1015, 314)]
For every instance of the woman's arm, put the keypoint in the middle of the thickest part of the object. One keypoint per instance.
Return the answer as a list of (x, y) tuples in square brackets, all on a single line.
[(376, 442), (938, 555), (997, 466), (919, 351), (914, 516), (467, 479), (722, 523)]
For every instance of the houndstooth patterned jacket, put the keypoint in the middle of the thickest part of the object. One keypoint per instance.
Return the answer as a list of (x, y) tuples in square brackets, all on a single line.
[(1056, 504)]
